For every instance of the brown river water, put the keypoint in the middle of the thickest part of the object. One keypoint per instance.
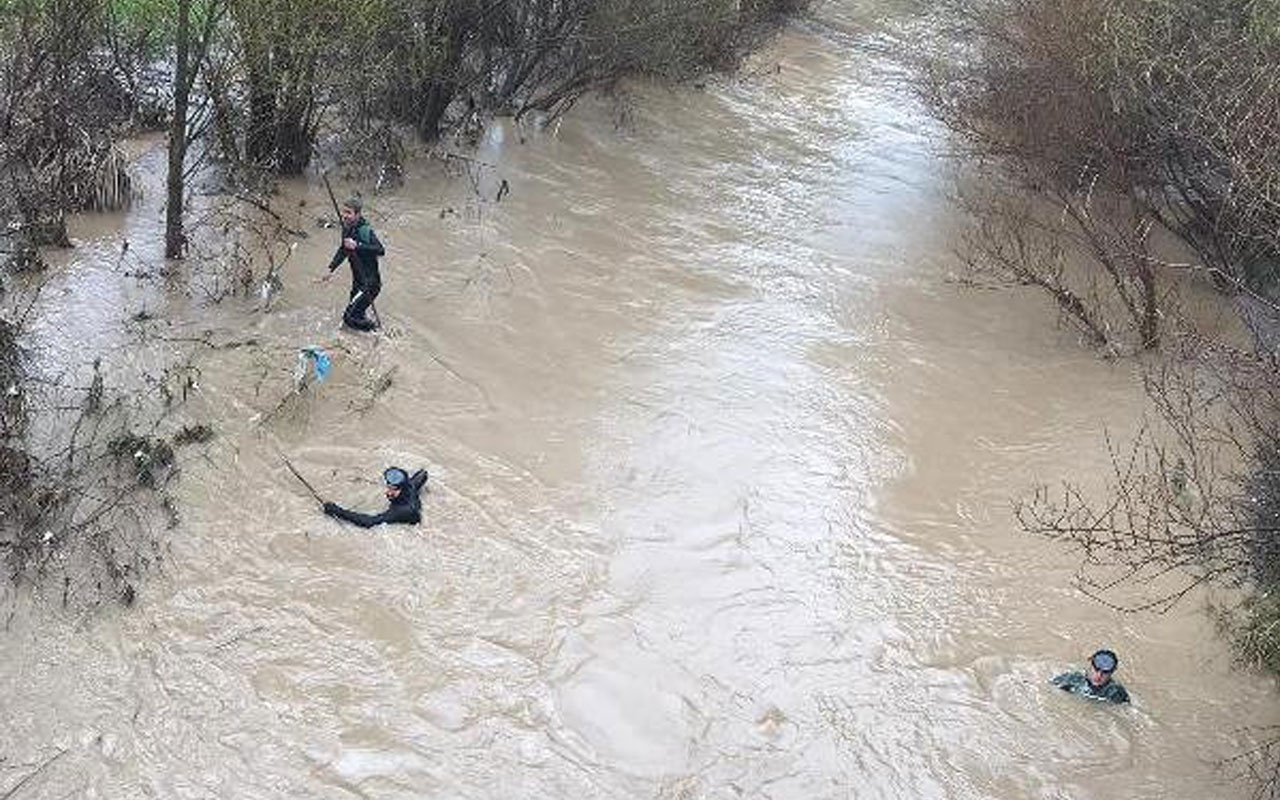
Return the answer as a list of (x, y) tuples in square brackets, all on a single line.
[(722, 465)]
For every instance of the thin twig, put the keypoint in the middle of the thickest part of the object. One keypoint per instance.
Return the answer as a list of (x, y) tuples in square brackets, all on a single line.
[(32, 775)]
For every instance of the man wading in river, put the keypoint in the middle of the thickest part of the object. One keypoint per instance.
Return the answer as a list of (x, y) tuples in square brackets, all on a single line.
[(1096, 682), (361, 248), (402, 491)]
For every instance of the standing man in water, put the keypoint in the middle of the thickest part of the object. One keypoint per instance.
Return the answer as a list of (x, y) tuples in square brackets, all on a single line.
[(361, 248), (1096, 682)]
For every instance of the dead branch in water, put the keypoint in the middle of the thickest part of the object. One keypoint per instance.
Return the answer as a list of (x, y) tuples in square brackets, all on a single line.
[(32, 775)]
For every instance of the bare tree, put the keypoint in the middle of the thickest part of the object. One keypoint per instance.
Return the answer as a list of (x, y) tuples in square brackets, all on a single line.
[(190, 50), (58, 104), (183, 79)]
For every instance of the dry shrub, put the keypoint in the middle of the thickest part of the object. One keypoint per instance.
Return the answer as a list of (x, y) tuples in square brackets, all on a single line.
[(1167, 108)]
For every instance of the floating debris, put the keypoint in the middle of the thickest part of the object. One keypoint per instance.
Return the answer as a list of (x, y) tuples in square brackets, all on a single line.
[(193, 434)]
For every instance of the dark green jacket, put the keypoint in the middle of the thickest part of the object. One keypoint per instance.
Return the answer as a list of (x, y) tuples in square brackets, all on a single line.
[(364, 260), (1078, 683)]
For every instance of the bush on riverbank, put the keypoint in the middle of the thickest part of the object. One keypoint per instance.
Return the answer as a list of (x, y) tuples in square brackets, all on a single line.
[(437, 65), (272, 74), (1130, 117), (1195, 500), (61, 103)]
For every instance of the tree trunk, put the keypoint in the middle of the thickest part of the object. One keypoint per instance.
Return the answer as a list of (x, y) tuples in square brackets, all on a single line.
[(292, 142), (174, 238), (260, 135), (439, 94), (1150, 307), (260, 138)]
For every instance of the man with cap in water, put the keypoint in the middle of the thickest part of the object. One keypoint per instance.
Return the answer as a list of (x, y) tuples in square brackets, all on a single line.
[(1096, 682), (402, 491), (361, 248)]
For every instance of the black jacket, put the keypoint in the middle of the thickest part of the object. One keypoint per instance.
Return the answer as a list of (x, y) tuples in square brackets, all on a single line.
[(406, 507), (364, 259)]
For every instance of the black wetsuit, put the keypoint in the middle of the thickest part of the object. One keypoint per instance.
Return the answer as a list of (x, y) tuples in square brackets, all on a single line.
[(405, 507), (366, 282)]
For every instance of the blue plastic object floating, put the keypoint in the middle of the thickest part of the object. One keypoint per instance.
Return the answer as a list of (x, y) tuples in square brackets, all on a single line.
[(319, 360)]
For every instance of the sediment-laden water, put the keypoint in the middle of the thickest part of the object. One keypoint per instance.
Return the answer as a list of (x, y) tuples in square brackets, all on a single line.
[(720, 502)]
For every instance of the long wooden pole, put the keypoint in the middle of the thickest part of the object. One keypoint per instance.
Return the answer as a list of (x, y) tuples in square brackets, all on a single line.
[(303, 480)]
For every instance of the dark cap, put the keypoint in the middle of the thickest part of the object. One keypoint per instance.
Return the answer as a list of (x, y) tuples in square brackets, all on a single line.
[(1105, 661), (394, 476), (354, 203)]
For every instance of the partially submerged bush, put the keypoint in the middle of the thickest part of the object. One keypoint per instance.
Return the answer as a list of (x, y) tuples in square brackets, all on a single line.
[(16, 480), (432, 65), (193, 434), (150, 458), (61, 98), (81, 504), (12, 396)]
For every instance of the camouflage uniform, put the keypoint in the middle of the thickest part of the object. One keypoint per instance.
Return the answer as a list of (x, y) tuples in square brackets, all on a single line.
[(1078, 683)]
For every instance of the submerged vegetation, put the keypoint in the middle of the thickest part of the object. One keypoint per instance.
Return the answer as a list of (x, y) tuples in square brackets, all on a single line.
[(1140, 145)]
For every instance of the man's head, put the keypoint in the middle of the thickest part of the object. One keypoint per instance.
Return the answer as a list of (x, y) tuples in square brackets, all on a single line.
[(351, 209), (395, 479), (1101, 666)]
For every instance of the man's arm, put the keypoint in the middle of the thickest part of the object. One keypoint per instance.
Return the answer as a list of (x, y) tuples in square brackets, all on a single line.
[(1067, 681), (355, 517), (417, 480), (337, 259)]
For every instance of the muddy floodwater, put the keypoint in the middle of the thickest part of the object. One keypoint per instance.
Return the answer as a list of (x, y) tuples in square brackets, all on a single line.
[(722, 462)]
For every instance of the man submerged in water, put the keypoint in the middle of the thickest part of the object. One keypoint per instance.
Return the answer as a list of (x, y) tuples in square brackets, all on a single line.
[(402, 491), (1096, 682)]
